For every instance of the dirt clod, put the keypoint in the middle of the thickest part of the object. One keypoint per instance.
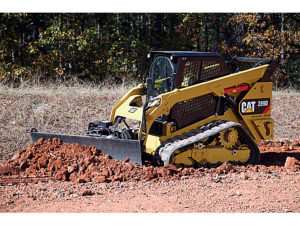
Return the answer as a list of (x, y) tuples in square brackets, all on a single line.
[(224, 168), (292, 164), (87, 193), (24, 165)]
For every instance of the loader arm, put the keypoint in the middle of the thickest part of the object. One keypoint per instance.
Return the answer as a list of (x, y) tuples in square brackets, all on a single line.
[(139, 90)]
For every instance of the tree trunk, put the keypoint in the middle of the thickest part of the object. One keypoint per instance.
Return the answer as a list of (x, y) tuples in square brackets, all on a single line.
[(206, 33), (217, 32), (158, 25), (99, 29), (282, 40)]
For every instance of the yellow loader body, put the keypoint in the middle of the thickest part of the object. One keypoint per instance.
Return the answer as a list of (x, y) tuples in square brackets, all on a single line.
[(195, 109)]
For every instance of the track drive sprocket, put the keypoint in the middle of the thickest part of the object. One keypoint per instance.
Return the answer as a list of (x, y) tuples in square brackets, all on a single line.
[(228, 138)]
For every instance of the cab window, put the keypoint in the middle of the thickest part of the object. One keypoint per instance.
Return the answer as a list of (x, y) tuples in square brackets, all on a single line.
[(161, 72)]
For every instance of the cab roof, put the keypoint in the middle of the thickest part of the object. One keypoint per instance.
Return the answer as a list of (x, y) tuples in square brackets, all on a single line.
[(183, 54)]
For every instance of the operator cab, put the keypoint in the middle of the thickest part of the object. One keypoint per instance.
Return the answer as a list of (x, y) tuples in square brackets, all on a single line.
[(180, 69)]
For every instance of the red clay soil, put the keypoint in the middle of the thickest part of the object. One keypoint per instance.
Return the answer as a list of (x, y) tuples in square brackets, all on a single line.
[(51, 176), (80, 164), (53, 159)]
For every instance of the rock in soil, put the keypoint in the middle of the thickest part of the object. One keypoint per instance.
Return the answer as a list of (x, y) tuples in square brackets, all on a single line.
[(292, 164)]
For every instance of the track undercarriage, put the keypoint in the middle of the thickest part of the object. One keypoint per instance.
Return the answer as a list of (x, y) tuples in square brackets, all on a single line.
[(217, 142)]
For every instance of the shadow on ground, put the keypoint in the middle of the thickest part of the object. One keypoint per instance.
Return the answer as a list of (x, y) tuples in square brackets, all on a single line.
[(277, 158)]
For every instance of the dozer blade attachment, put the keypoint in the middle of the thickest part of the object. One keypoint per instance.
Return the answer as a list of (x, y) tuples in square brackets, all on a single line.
[(117, 148)]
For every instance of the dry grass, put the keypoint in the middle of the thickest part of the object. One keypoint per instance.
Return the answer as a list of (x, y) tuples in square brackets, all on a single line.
[(75, 89), (57, 109), (63, 109)]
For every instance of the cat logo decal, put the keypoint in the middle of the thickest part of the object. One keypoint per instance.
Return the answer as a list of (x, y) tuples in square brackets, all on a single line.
[(255, 106)]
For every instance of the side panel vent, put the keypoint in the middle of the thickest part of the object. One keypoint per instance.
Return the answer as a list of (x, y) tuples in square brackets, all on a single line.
[(190, 111)]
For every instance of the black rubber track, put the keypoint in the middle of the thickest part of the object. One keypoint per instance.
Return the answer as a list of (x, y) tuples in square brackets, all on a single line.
[(243, 134)]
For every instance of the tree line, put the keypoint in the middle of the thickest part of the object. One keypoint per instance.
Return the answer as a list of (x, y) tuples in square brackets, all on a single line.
[(97, 46)]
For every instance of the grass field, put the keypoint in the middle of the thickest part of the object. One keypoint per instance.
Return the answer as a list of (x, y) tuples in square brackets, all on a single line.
[(62, 109)]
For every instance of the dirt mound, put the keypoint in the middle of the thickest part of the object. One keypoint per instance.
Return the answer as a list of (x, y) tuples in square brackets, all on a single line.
[(80, 164)]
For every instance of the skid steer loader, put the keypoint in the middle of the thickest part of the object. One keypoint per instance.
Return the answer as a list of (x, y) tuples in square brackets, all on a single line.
[(195, 109)]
